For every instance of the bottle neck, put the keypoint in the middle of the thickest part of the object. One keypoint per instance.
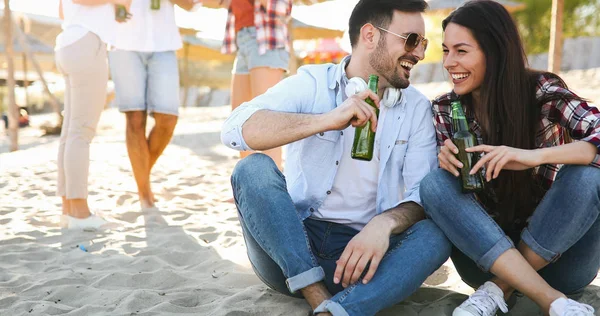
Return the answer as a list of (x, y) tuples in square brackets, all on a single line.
[(373, 86), (459, 121)]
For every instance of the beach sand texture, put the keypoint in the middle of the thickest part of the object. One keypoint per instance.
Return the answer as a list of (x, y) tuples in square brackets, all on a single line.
[(188, 257)]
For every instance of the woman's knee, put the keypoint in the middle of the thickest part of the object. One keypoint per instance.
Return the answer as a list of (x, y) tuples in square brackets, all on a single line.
[(434, 188), (584, 180)]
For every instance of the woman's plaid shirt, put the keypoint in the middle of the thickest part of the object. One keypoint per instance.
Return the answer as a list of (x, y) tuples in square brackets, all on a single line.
[(271, 26), (580, 119)]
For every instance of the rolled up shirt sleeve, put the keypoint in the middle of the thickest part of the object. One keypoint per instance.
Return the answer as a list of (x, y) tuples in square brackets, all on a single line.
[(294, 94), (581, 119)]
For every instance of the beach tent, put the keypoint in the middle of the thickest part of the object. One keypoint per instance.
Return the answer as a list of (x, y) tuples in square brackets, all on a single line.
[(446, 6), (303, 31)]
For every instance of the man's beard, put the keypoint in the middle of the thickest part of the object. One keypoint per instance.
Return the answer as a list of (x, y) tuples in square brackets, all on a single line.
[(381, 61)]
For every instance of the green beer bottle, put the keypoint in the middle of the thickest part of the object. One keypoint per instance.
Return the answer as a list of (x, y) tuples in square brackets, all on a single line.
[(155, 4), (120, 13), (364, 137), (463, 139)]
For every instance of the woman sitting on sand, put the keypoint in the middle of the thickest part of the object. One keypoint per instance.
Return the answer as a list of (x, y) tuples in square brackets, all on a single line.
[(81, 57), (542, 191)]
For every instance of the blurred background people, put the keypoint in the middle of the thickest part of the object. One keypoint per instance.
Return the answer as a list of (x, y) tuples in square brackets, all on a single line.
[(144, 69), (257, 32), (81, 57)]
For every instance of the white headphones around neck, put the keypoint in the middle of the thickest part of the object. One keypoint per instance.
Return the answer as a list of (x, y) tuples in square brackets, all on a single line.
[(391, 96)]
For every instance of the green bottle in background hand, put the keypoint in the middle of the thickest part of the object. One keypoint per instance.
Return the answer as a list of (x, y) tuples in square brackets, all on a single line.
[(464, 139), (120, 13), (364, 137)]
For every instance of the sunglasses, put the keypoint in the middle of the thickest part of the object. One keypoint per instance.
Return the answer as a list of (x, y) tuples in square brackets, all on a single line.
[(411, 41)]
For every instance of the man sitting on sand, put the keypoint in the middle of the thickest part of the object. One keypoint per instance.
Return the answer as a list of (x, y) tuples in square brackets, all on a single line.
[(334, 225)]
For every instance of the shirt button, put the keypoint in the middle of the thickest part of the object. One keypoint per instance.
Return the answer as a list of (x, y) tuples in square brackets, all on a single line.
[(328, 192), (321, 134), (342, 132), (337, 163), (312, 209), (233, 144)]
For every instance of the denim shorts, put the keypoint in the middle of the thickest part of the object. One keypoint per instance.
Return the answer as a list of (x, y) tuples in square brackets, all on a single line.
[(145, 81), (248, 57)]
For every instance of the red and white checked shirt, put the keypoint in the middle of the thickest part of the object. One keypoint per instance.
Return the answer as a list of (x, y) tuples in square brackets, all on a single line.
[(271, 27), (580, 119)]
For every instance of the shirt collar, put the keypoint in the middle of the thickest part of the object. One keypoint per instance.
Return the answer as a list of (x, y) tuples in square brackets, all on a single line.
[(340, 73)]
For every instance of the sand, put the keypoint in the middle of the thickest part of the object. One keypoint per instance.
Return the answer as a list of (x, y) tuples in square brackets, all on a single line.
[(187, 257)]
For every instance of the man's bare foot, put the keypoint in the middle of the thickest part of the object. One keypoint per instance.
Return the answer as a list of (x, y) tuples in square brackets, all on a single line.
[(146, 203), (146, 199)]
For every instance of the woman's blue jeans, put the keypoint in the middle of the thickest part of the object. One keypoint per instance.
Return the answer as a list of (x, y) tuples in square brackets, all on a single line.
[(564, 229), (288, 253)]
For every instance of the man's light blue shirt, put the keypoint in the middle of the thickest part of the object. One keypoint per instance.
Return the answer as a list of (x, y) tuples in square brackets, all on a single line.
[(407, 143)]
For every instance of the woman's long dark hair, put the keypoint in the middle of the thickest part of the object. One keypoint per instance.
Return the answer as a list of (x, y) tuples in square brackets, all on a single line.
[(508, 111)]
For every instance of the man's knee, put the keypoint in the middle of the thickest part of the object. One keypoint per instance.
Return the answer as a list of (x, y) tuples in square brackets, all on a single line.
[(136, 121), (252, 168), (439, 245), (165, 122)]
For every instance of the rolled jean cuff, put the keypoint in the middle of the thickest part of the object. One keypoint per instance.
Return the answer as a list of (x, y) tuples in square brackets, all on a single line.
[(528, 239), (332, 307), (305, 279), (488, 259)]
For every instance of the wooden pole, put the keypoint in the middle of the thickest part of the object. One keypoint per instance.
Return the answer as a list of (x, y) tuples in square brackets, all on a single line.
[(26, 29), (293, 64), (13, 110), (556, 28), (53, 101), (186, 73)]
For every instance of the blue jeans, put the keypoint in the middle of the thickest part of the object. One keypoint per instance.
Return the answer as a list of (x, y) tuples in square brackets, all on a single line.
[(248, 56), (289, 254), (145, 81), (564, 229)]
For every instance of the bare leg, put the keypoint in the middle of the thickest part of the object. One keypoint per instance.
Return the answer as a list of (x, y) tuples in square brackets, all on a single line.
[(79, 208), (241, 91), (139, 155), (536, 262), (513, 268), (66, 209), (315, 294), (261, 80), (160, 135)]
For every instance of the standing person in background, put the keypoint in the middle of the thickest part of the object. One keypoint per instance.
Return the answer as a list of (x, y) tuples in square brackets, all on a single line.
[(81, 57), (144, 68), (257, 31)]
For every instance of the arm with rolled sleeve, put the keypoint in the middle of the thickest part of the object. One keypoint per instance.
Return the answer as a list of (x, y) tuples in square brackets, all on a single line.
[(582, 121), (293, 95)]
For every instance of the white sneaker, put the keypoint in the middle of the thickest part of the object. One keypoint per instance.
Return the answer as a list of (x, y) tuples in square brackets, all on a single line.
[(90, 223), (484, 302), (568, 307)]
